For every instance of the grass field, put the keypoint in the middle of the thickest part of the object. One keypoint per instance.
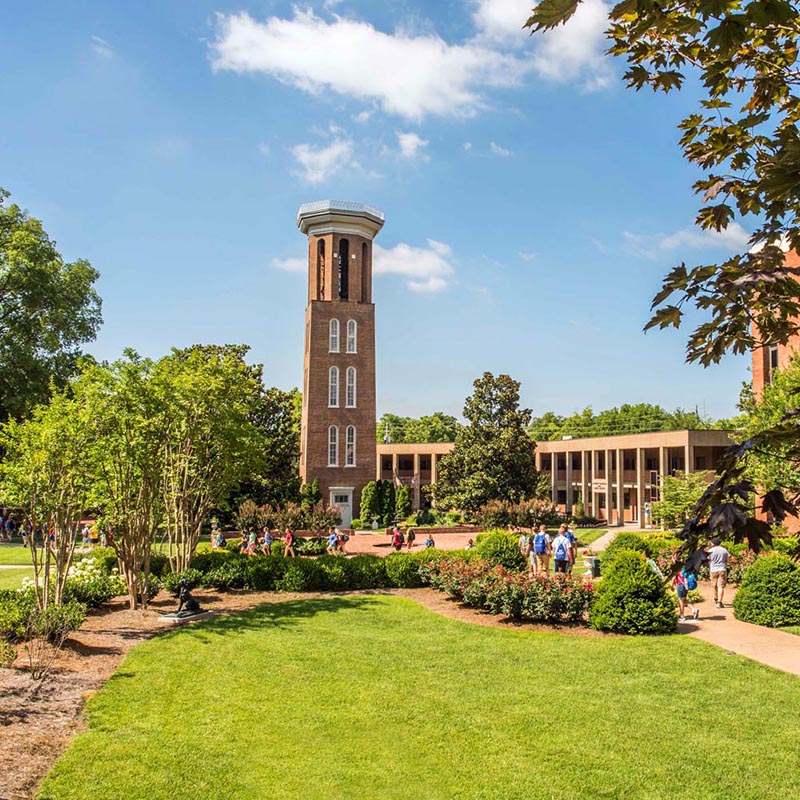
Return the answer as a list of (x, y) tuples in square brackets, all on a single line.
[(795, 629), (15, 554), (12, 578), (376, 697)]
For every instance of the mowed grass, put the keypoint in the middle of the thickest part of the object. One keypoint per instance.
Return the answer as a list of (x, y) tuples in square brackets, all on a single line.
[(15, 554), (377, 697), (12, 578)]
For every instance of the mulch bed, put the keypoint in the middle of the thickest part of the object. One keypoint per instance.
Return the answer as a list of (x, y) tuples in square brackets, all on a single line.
[(38, 721)]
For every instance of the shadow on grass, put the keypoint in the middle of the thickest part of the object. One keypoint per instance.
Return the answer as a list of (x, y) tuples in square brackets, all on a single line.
[(269, 616)]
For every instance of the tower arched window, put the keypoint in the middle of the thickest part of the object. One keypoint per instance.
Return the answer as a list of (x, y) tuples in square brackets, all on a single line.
[(352, 336), (365, 270), (321, 269), (333, 446), (333, 336), (350, 388), (333, 387), (344, 269), (350, 447)]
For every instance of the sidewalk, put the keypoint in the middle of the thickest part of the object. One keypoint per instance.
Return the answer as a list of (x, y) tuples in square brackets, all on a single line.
[(719, 627)]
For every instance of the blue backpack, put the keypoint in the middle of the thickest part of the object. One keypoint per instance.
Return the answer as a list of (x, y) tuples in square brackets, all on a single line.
[(540, 544), (561, 552), (691, 580)]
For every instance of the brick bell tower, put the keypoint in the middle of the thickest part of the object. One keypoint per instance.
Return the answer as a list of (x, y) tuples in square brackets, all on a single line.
[(337, 439)]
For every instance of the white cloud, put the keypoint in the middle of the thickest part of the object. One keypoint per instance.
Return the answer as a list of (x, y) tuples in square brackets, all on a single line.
[(411, 146), (412, 75), (319, 163), (734, 237), (103, 48), (427, 269), (502, 20), (290, 264), (264, 148), (362, 116), (467, 147), (576, 51), (497, 150), (528, 255)]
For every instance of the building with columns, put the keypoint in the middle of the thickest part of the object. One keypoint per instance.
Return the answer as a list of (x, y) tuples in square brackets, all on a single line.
[(616, 477), (337, 431)]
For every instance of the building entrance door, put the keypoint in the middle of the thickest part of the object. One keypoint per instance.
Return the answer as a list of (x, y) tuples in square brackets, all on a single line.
[(343, 500)]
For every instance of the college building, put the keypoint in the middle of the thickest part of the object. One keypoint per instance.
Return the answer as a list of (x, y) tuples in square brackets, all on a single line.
[(616, 478)]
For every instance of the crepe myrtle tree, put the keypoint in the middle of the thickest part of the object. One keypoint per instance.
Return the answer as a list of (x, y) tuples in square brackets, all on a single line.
[(743, 136)]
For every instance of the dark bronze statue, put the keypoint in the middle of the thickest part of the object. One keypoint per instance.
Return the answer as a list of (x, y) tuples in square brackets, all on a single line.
[(187, 606)]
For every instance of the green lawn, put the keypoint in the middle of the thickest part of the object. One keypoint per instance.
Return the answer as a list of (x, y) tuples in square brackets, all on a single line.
[(14, 554), (12, 578), (795, 629), (376, 697)]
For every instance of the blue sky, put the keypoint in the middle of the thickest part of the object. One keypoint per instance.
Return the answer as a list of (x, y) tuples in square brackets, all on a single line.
[(532, 203)]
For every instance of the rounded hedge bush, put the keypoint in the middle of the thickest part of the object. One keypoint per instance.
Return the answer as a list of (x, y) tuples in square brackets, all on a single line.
[(500, 547), (632, 599), (770, 592), (624, 542)]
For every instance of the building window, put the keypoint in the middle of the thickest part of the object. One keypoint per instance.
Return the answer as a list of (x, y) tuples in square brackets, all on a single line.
[(344, 269), (333, 387), (333, 336), (629, 463), (350, 447), (352, 332), (321, 269), (576, 461), (333, 446), (350, 388), (561, 496), (700, 462), (386, 463)]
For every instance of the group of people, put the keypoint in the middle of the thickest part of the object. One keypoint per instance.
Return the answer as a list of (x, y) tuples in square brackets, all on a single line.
[(408, 538), (685, 581), (539, 547)]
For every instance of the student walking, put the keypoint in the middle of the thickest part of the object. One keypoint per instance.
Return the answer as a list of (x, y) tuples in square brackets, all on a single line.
[(684, 582), (561, 550), (333, 542), (397, 539), (718, 558), (410, 537), (539, 552), (288, 545)]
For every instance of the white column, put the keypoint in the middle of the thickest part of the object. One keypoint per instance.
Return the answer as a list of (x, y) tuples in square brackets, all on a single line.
[(417, 481), (585, 483), (568, 501), (394, 468), (620, 488), (608, 487), (688, 459), (434, 468), (640, 496), (553, 489)]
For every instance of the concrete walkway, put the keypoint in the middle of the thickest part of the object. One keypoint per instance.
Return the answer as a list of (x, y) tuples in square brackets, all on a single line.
[(600, 544), (718, 626)]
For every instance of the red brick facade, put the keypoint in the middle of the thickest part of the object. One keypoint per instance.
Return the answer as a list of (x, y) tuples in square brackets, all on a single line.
[(339, 290)]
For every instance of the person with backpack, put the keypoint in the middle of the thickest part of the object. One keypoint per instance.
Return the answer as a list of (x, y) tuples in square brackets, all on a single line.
[(561, 550), (288, 545), (684, 582), (539, 550), (333, 542), (573, 547), (523, 543), (397, 539), (410, 537)]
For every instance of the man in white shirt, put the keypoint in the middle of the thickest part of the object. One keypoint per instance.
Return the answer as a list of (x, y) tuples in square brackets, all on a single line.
[(718, 567)]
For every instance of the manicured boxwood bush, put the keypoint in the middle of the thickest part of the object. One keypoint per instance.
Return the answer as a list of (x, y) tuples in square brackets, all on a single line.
[(15, 608), (624, 542), (632, 599), (770, 592), (367, 572), (172, 580), (402, 570), (300, 575), (500, 547)]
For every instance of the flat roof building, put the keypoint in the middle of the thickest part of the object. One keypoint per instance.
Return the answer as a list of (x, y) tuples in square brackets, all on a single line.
[(616, 477)]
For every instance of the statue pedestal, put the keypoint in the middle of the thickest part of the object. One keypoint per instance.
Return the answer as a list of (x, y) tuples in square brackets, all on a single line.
[(183, 616)]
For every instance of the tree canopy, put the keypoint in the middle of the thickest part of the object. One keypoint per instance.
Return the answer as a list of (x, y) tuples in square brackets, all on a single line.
[(493, 457), (744, 138), (48, 309), (639, 418), (436, 427)]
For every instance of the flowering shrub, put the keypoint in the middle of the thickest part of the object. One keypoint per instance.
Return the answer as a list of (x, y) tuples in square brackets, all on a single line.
[(517, 595), (89, 584)]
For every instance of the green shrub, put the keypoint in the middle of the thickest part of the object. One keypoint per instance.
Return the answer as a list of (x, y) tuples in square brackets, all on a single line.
[(15, 607), (205, 562), (172, 580), (624, 542), (88, 583), (104, 557), (277, 548), (8, 655), (500, 547), (315, 546), (159, 564), (300, 575), (632, 599), (367, 572), (787, 545), (402, 570), (334, 574), (770, 592), (230, 574), (263, 572), (55, 623), (357, 525)]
